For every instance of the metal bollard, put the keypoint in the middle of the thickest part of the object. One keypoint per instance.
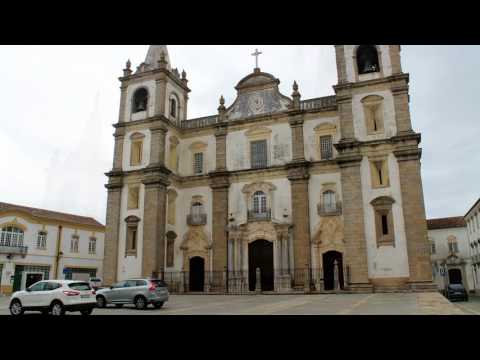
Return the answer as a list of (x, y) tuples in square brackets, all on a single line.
[(258, 282)]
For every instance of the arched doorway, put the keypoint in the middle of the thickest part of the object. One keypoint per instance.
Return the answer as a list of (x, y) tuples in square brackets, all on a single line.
[(197, 273), (455, 276), (260, 255), (329, 259)]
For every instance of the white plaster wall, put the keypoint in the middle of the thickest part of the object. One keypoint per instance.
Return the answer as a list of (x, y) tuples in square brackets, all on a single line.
[(279, 147), (359, 124), (315, 194), (440, 236), (312, 152), (185, 165), (127, 150), (281, 200), (385, 261), (150, 86), (130, 266), (385, 63), (47, 257)]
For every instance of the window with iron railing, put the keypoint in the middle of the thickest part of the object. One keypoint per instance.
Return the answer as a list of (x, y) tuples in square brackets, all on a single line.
[(197, 215), (11, 236), (259, 210), (258, 154), (42, 240)]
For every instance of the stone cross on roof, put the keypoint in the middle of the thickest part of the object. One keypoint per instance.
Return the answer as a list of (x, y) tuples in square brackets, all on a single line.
[(256, 54)]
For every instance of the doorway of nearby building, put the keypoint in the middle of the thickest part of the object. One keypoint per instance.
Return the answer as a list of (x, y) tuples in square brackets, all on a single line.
[(197, 273), (455, 276), (329, 259), (260, 255), (32, 278)]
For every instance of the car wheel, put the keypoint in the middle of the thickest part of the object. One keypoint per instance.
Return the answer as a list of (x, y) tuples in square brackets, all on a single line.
[(101, 302), (86, 312), (119, 305), (158, 305), (57, 309), (16, 308), (140, 303)]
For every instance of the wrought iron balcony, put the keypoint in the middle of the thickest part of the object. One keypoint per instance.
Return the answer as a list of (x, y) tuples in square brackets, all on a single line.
[(330, 210), (13, 250), (197, 219), (259, 216)]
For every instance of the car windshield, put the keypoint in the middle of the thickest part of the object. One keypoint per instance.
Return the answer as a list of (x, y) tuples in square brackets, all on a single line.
[(79, 286), (159, 283)]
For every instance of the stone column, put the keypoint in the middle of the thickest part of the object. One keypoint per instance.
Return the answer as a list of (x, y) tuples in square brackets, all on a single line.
[(298, 149), (354, 231), (344, 102), (112, 229), (157, 145), (402, 110), (341, 63), (154, 219), (118, 150), (299, 178), (221, 147), (414, 215), (394, 52), (220, 186), (160, 95), (123, 102)]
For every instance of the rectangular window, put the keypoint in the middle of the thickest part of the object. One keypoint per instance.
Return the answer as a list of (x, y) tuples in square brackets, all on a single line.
[(92, 246), (198, 163), (74, 244), (258, 154), (42, 240), (170, 252), (326, 151)]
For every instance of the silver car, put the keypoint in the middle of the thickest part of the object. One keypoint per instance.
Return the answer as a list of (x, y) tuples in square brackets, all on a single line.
[(139, 292)]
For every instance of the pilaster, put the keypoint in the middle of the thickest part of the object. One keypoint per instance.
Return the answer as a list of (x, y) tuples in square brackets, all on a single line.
[(154, 220), (157, 145), (118, 149), (299, 177), (402, 108), (160, 94), (112, 228)]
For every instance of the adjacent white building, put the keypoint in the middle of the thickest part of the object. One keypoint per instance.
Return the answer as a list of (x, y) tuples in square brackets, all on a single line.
[(450, 252), (472, 219), (38, 244)]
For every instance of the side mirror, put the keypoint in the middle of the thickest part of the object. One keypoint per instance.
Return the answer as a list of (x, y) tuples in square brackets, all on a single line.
[(28, 289), (112, 287)]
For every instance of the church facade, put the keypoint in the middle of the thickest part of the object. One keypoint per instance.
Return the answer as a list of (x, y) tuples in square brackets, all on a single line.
[(273, 192)]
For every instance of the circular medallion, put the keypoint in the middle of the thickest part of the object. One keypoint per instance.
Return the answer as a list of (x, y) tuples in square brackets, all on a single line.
[(256, 104)]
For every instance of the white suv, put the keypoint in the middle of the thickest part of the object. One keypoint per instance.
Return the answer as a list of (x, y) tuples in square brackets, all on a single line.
[(55, 297)]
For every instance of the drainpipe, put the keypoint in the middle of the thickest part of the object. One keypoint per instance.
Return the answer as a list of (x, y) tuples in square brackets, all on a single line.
[(58, 252)]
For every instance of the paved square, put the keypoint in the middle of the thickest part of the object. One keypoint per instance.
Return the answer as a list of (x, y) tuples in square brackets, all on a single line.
[(331, 304)]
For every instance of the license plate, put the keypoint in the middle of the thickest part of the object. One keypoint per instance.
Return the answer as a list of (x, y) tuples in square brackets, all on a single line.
[(85, 296)]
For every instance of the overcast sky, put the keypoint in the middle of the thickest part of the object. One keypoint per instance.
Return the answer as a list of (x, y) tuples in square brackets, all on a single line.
[(59, 103)]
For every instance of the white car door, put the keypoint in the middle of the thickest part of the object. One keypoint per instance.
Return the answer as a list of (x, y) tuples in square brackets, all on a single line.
[(46, 296), (33, 294)]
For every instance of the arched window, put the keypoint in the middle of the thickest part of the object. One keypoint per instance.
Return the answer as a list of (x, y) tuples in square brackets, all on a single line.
[(140, 100), (259, 203), (11, 236), (367, 59), (329, 202), (174, 106)]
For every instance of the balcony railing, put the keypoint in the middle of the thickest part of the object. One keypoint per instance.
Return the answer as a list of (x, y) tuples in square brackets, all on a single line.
[(13, 250), (259, 216), (199, 123), (330, 210), (319, 103), (197, 219)]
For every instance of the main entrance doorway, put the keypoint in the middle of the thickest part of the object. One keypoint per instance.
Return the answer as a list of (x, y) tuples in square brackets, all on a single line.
[(329, 259), (197, 274), (455, 276), (260, 255)]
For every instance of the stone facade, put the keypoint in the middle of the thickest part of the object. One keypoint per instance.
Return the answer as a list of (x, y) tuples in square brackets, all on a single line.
[(270, 183)]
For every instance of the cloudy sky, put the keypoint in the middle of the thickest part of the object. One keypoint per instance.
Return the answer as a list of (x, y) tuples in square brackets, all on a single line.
[(59, 103)]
